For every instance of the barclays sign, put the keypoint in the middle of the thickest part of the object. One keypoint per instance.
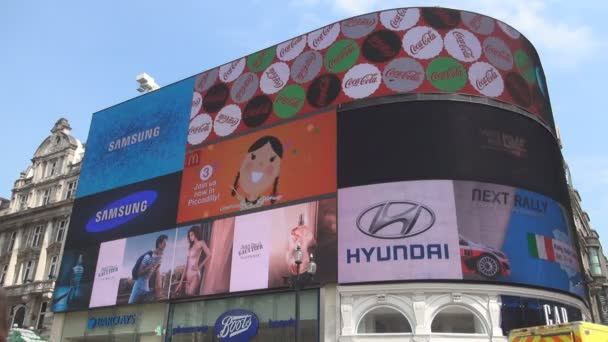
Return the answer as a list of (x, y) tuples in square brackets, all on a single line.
[(236, 326), (395, 220), (111, 321)]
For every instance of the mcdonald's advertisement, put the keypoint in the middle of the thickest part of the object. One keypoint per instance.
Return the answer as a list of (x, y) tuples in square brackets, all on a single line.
[(292, 161)]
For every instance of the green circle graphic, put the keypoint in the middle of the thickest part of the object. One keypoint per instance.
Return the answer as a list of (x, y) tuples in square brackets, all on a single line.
[(342, 55), (525, 67), (447, 74), (261, 59), (289, 101)]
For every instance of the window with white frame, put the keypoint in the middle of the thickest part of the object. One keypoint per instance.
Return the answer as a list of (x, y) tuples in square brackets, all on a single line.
[(383, 320), (43, 308), (37, 235), (23, 199), (53, 267), (52, 167), (3, 273), (45, 197), (70, 190), (61, 227), (28, 271), (457, 320), (11, 241)]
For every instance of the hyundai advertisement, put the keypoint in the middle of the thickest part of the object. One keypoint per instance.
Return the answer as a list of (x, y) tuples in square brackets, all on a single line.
[(440, 229), (140, 139)]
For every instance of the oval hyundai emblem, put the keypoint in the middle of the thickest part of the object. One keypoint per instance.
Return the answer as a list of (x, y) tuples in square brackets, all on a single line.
[(395, 220), (236, 326), (121, 211)]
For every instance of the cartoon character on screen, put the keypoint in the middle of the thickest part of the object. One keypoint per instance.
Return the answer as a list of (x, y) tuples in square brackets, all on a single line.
[(259, 173), (192, 274)]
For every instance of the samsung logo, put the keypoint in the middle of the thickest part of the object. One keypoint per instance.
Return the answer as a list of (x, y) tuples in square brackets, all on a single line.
[(121, 211), (134, 138)]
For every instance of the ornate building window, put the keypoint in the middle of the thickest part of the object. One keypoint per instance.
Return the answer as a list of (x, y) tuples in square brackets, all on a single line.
[(383, 320), (61, 227), (53, 261), (28, 271), (37, 236), (457, 320), (3, 273), (71, 190)]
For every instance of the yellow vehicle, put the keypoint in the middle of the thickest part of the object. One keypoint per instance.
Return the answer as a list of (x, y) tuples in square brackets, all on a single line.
[(567, 332)]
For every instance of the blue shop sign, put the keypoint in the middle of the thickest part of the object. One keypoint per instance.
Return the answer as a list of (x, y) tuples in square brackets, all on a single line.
[(111, 321), (236, 326)]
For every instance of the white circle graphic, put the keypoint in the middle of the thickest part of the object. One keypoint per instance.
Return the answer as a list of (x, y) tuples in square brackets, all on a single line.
[(422, 42), (508, 30), (197, 103), (486, 79), (206, 172), (323, 37), (227, 120), (400, 19), (274, 78), (291, 49), (462, 45), (199, 128), (229, 72), (361, 81)]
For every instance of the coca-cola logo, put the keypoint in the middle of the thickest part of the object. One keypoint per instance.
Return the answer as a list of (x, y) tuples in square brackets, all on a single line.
[(199, 128), (342, 55), (236, 326), (478, 23), (447, 74), (306, 66), (323, 90), (229, 72), (518, 89), (400, 19), (257, 111), (486, 79), (205, 80), (215, 98), (289, 101), (381, 46), (422, 42), (361, 81), (244, 87), (441, 18), (227, 120), (462, 45), (291, 49), (197, 103), (498, 53), (508, 30), (403, 74), (324, 37), (274, 78), (358, 27)]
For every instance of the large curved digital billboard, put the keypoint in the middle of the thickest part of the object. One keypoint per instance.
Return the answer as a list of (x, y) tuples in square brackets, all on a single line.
[(205, 186)]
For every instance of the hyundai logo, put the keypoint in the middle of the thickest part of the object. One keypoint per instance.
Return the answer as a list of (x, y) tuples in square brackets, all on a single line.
[(395, 220)]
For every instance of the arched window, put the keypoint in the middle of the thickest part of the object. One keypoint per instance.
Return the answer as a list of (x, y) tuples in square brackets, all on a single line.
[(457, 320), (19, 315), (383, 320)]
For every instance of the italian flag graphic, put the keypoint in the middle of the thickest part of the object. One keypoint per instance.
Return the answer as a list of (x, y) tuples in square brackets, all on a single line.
[(546, 248)]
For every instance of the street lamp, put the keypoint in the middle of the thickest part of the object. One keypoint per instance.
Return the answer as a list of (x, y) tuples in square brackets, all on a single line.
[(297, 281)]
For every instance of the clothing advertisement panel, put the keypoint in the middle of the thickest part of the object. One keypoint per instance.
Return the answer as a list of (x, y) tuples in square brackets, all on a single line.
[(131, 210), (523, 312), (455, 230), (135, 270), (274, 166), (515, 236), (462, 140), (139, 139), (398, 231), (248, 252)]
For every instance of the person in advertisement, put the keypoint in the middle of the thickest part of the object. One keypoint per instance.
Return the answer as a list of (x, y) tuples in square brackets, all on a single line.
[(258, 173), (146, 267), (192, 275)]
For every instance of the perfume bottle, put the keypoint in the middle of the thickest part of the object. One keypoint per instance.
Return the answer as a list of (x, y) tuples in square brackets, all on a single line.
[(301, 235), (77, 272)]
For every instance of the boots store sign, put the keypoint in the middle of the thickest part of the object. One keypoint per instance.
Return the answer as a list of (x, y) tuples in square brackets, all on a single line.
[(236, 326)]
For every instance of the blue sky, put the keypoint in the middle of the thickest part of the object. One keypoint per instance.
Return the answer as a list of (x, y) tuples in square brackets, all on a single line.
[(72, 58)]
